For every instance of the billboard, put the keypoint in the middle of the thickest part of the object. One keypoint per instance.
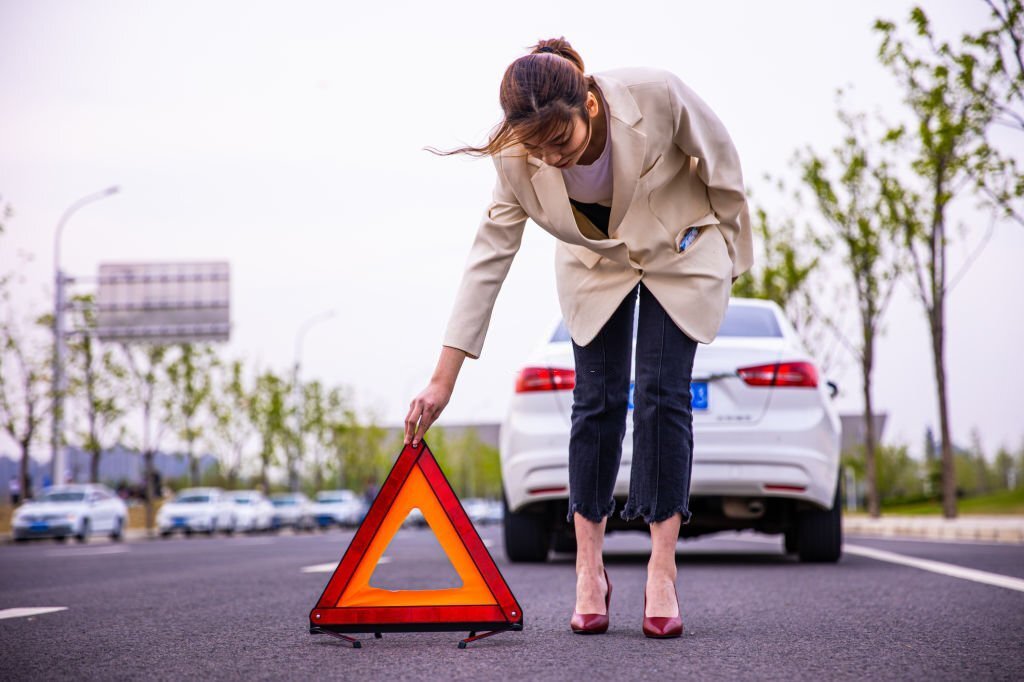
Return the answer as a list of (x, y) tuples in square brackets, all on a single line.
[(164, 302)]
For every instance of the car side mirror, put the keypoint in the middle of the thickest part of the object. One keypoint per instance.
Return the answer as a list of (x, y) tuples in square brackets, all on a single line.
[(833, 389)]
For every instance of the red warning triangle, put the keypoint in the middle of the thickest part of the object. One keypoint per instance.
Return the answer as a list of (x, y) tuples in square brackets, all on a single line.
[(484, 601)]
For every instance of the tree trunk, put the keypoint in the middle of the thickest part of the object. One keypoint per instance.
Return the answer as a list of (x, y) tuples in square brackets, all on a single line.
[(949, 501), (94, 465), (23, 475), (870, 465), (150, 489), (193, 467)]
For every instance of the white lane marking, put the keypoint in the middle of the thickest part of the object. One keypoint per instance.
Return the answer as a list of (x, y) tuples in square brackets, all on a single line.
[(90, 551), (942, 568), (932, 541), (329, 568), (26, 611), (939, 567)]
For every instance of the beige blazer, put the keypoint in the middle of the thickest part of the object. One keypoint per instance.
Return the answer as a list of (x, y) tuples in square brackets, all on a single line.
[(673, 167)]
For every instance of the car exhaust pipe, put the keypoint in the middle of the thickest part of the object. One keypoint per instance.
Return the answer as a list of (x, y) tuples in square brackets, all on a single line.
[(743, 508)]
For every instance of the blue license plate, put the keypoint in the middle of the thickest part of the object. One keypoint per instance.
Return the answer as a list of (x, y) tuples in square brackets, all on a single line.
[(180, 522), (39, 527), (698, 395)]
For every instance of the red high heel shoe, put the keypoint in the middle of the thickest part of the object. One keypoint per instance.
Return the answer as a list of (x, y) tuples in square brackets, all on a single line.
[(661, 627), (593, 623)]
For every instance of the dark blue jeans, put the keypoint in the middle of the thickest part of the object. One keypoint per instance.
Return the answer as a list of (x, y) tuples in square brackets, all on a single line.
[(659, 484)]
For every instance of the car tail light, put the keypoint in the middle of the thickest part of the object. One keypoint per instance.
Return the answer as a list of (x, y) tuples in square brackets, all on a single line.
[(780, 374), (545, 379)]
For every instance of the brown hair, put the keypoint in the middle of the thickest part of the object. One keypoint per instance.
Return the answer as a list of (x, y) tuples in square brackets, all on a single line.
[(539, 94)]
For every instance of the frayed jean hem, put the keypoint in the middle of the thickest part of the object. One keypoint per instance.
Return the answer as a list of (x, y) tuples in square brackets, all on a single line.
[(633, 511), (588, 514)]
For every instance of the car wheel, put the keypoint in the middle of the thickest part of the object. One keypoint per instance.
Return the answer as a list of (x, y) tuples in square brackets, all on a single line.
[(118, 533), (83, 532), (165, 534), (790, 540), (527, 536), (61, 538), (820, 534), (564, 542)]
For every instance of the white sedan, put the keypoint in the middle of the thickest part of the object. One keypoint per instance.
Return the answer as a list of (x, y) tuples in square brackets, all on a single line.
[(338, 507), (202, 510), (293, 510), (251, 511), (71, 510), (766, 442)]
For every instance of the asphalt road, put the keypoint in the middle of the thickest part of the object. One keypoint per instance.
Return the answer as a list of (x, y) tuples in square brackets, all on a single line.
[(234, 608)]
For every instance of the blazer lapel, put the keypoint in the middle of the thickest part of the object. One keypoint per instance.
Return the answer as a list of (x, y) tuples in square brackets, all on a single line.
[(628, 149), (629, 146)]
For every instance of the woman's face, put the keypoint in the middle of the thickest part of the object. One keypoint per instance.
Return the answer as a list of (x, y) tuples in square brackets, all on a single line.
[(566, 149)]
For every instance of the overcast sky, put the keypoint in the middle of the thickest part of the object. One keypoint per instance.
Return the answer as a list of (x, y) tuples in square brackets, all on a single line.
[(286, 138)]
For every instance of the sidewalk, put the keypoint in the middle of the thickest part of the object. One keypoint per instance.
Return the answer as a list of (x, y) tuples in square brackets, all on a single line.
[(1008, 529)]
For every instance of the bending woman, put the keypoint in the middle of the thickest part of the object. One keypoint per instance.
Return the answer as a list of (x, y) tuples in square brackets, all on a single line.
[(640, 184)]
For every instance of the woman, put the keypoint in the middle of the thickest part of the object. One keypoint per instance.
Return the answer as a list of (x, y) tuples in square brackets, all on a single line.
[(640, 184)]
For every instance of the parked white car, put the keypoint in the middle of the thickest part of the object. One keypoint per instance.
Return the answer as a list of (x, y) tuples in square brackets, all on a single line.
[(338, 507), (202, 510), (71, 510), (766, 442), (293, 510), (251, 511)]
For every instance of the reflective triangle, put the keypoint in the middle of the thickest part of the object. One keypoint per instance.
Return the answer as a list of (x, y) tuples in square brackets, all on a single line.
[(350, 604)]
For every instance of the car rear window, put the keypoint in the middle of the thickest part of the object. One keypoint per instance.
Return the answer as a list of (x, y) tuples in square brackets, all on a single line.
[(740, 321), (193, 499), (62, 496)]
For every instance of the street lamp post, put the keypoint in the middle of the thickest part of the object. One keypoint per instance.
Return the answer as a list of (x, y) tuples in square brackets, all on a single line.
[(59, 349), (293, 479)]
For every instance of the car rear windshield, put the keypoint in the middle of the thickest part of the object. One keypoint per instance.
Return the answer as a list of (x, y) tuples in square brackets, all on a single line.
[(193, 499), (283, 503), (740, 321), (242, 500), (62, 496)]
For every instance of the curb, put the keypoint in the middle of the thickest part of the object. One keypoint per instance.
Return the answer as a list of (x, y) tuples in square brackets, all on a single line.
[(1008, 530)]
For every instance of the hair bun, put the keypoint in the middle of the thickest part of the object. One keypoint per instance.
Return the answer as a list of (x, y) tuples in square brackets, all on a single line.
[(560, 47)]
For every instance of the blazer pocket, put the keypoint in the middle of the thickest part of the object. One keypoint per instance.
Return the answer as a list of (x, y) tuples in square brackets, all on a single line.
[(585, 255), (701, 229), (653, 166)]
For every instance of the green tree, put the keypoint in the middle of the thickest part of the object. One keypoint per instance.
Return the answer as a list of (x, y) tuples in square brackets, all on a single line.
[(147, 382), (268, 411), (1004, 473), (233, 429), (848, 196), (362, 451), (946, 147), (97, 381), (190, 383), (25, 382), (899, 475)]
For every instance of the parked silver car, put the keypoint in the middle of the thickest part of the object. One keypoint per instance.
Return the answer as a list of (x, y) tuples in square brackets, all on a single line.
[(63, 511)]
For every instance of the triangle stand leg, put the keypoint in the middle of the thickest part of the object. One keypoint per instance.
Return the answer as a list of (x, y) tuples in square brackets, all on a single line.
[(356, 644), (474, 637)]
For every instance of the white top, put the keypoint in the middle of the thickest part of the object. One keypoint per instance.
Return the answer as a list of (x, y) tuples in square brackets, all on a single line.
[(592, 184)]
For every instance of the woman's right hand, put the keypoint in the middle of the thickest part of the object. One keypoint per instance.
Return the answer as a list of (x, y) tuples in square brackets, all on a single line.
[(425, 409)]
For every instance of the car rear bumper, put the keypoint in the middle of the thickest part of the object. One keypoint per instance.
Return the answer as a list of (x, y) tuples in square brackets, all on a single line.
[(790, 470), (53, 530), (197, 524)]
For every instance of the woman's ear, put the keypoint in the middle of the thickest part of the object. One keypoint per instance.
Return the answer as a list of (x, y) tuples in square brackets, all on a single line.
[(593, 108)]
